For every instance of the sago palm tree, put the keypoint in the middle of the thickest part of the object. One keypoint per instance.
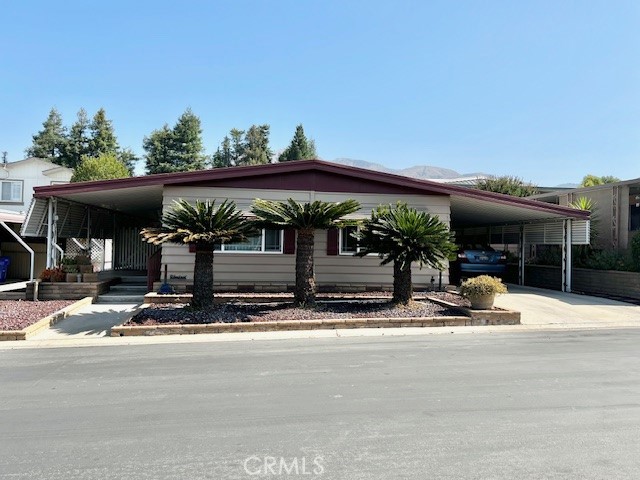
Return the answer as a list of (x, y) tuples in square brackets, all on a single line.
[(403, 235), (305, 218), (203, 225)]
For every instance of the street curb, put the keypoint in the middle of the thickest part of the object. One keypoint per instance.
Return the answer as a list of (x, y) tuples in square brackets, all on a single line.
[(44, 323), (499, 316), (287, 325)]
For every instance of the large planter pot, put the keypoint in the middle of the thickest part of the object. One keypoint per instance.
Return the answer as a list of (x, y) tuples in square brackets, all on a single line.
[(482, 302), (72, 277)]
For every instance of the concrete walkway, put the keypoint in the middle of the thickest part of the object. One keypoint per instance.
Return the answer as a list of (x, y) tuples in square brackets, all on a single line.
[(92, 322), (548, 307)]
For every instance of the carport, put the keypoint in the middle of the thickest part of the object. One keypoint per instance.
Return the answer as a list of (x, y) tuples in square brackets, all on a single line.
[(117, 209)]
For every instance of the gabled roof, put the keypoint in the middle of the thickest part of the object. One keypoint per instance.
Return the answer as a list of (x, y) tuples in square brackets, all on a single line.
[(315, 175)]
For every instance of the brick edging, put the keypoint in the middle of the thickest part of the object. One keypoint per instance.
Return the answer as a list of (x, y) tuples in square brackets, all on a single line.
[(329, 324), (45, 322), (482, 317)]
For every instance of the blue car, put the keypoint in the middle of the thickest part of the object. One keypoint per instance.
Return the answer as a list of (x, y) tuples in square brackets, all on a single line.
[(480, 260)]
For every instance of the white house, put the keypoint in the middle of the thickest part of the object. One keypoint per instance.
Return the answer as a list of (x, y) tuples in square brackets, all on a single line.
[(18, 180)]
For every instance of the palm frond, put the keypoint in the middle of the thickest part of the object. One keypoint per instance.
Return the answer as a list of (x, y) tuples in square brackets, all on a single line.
[(201, 222), (310, 215), (402, 234)]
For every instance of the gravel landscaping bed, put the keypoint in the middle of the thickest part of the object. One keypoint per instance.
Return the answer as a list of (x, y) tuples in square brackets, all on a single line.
[(451, 297), (269, 312), (19, 314)]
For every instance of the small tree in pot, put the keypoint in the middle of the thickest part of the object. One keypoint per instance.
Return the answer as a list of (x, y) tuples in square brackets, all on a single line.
[(481, 291)]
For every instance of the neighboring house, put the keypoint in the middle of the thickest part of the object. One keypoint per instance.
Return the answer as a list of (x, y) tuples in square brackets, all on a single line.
[(17, 181), (118, 209), (617, 210)]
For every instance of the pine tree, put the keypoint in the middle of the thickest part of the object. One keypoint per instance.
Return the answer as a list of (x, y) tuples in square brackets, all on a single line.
[(256, 146), (102, 138), (49, 142), (159, 151), (300, 148), (177, 149), (187, 139), (237, 146), (77, 144), (224, 154), (128, 158)]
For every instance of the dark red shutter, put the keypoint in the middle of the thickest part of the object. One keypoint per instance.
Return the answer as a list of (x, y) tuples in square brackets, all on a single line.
[(192, 248), (289, 247), (332, 241)]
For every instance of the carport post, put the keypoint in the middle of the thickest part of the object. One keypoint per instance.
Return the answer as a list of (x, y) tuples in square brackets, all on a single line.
[(49, 231), (566, 257), (521, 259)]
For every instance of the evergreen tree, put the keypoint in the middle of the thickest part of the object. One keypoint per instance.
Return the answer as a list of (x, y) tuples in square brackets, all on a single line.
[(237, 146), (77, 144), (300, 148), (49, 142), (102, 138), (224, 154), (128, 158), (159, 150), (177, 149), (187, 138), (256, 146)]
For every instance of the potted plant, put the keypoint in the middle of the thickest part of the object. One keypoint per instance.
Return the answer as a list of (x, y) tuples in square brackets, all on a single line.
[(45, 275), (481, 291)]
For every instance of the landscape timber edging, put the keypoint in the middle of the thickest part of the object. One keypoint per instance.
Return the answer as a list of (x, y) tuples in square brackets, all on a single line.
[(45, 322), (482, 317)]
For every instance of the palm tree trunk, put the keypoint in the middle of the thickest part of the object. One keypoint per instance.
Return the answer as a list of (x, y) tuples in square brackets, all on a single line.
[(402, 285), (305, 292), (203, 278)]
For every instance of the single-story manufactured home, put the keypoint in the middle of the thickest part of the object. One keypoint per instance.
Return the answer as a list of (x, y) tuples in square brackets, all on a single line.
[(118, 209), (616, 207)]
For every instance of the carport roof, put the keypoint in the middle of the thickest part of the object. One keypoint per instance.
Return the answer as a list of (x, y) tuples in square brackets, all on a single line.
[(142, 196)]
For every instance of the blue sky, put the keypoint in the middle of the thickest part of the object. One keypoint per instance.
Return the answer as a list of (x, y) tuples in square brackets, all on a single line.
[(545, 90)]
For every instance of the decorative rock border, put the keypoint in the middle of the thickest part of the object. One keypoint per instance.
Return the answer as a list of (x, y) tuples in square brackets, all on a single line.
[(45, 322), (482, 317)]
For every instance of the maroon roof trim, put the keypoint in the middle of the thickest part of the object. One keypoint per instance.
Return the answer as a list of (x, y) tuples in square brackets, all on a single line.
[(426, 186)]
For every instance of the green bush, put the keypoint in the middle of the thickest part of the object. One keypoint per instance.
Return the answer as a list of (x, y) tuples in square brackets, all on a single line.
[(609, 260), (635, 251), (482, 285)]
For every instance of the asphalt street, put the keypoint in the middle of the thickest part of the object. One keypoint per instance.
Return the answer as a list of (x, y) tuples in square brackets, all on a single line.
[(478, 406)]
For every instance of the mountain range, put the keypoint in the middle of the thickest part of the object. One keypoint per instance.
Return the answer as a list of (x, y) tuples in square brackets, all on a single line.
[(418, 171), (423, 172)]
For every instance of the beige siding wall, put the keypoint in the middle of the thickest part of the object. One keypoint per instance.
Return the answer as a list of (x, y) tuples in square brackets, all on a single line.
[(604, 224), (276, 271)]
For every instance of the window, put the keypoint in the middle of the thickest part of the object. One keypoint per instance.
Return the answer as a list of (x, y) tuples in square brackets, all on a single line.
[(348, 244), (269, 241), (11, 191), (634, 217)]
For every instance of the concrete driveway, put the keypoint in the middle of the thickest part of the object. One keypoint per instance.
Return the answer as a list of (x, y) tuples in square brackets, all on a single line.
[(547, 307)]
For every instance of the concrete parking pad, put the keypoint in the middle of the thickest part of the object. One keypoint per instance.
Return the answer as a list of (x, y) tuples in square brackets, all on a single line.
[(548, 307)]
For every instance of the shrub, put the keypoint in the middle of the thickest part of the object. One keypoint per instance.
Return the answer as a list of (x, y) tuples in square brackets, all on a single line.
[(609, 260), (53, 275), (482, 285), (635, 251)]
